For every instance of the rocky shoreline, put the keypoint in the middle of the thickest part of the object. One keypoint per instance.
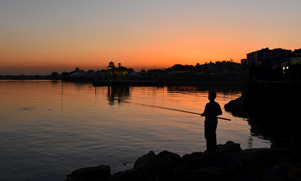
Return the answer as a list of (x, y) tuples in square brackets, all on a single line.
[(280, 162), (236, 107)]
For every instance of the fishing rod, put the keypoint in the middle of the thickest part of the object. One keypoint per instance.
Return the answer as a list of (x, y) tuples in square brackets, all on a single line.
[(160, 107)]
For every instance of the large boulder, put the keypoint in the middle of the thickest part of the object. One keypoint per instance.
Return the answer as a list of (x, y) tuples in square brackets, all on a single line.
[(261, 159), (227, 156), (229, 162), (236, 146), (145, 158), (236, 107), (173, 156), (224, 161), (159, 168)]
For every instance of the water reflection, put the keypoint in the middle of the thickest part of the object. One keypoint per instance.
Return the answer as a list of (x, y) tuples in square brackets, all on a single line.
[(121, 94), (222, 89), (118, 93), (82, 127), (225, 90), (62, 99), (256, 130)]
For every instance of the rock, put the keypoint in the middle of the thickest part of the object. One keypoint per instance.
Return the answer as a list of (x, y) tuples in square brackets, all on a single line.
[(242, 176), (283, 143), (243, 179), (260, 159), (236, 146), (173, 156), (288, 142), (80, 179), (236, 107), (273, 173), (211, 173), (229, 162), (98, 172), (226, 158), (159, 168), (288, 177), (192, 158), (295, 145), (145, 158), (277, 173), (291, 154)]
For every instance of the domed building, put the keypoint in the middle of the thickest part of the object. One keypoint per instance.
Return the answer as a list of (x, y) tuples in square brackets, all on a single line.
[(118, 74), (111, 65)]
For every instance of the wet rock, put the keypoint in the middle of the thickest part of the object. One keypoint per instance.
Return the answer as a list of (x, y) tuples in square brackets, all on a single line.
[(145, 158)]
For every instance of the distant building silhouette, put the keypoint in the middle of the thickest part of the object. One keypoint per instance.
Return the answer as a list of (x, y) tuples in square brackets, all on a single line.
[(296, 53), (243, 61), (118, 74), (111, 66), (267, 58)]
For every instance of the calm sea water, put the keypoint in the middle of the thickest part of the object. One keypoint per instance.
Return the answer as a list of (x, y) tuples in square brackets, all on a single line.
[(50, 128)]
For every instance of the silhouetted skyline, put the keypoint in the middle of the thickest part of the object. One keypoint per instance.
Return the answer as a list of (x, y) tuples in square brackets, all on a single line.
[(41, 37)]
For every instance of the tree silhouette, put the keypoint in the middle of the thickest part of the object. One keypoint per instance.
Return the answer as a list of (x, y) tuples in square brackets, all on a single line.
[(77, 69), (54, 74)]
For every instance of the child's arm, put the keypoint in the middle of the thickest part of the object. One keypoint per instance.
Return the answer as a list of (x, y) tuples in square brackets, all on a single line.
[(205, 111), (204, 114)]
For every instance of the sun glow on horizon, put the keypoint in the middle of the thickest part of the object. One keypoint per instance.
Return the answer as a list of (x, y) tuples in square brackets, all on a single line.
[(156, 34)]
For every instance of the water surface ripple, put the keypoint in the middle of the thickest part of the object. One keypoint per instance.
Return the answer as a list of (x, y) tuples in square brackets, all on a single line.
[(50, 128)]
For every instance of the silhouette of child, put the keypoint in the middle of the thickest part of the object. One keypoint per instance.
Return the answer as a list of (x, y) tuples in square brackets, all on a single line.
[(211, 111)]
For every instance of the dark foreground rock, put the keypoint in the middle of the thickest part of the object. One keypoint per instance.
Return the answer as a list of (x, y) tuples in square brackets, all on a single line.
[(236, 107), (280, 162)]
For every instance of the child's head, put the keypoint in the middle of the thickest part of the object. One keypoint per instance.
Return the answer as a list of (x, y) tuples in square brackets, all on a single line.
[(212, 96)]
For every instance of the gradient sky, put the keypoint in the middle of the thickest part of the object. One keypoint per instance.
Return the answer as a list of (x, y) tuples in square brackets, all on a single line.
[(38, 37)]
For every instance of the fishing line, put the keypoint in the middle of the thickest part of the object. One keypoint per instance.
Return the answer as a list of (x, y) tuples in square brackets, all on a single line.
[(160, 107)]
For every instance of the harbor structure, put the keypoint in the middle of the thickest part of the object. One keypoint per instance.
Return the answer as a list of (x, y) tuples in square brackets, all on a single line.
[(119, 73)]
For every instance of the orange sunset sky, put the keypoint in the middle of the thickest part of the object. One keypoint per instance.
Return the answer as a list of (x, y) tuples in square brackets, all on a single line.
[(38, 37)]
